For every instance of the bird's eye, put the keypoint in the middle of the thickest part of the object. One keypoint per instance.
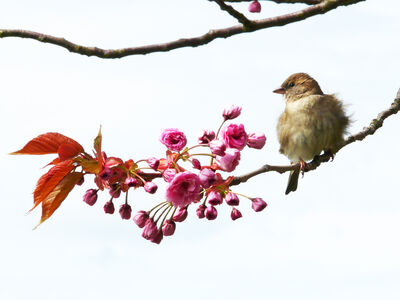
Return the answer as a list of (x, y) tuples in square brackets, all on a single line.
[(291, 84)]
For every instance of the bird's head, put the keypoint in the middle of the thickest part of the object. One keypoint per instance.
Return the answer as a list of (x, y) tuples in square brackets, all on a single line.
[(297, 86)]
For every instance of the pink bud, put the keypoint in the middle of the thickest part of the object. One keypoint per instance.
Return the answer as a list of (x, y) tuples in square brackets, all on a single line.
[(109, 207), (207, 177), (150, 229), (229, 161), (106, 174), (153, 163), (150, 187), (200, 211), (231, 112), (235, 214), (256, 140), (115, 191), (131, 182), (206, 137), (169, 174), (180, 215), (168, 227), (196, 164), (157, 238), (211, 213), (125, 211), (81, 181), (232, 199), (217, 147), (90, 197), (140, 218), (255, 7), (258, 204), (214, 198)]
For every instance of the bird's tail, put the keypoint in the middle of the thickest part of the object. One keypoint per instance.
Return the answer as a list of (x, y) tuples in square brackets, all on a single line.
[(292, 182)]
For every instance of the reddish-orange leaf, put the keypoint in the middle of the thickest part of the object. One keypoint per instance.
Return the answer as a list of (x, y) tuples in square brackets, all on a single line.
[(58, 194), (97, 147), (50, 180), (67, 151), (48, 143)]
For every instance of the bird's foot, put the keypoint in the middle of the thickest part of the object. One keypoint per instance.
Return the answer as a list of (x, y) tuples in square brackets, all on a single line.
[(303, 166)]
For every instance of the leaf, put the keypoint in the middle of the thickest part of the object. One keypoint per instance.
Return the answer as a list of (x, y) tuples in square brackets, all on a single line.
[(49, 181), (49, 143), (89, 165), (97, 147), (58, 195)]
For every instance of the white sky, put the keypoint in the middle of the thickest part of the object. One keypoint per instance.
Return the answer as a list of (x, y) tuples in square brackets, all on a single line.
[(335, 238)]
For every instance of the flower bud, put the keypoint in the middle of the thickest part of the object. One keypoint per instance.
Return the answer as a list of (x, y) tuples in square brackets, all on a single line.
[(150, 187), (200, 211), (157, 238), (206, 137), (169, 174), (140, 218), (131, 182), (196, 164), (214, 198), (180, 215), (229, 161), (150, 229), (231, 112), (106, 174), (207, 178), (109, 207), (258, 204), (81, 181), (153, 163), (255, 7), (115, 191), (232, 199), (217, 147), (256, 140), (90, 197), (125, 211), (211, 213), (168, 227), (235, 214)]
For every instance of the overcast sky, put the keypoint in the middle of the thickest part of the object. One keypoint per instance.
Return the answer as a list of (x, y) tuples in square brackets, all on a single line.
[(336, 237)]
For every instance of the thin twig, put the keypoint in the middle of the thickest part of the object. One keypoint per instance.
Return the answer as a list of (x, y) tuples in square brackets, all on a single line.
[(309, 2), (369, 130), (234, 13), (283, 20)]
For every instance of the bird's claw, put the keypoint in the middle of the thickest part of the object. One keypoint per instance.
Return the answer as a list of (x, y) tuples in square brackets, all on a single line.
[(303, 166)]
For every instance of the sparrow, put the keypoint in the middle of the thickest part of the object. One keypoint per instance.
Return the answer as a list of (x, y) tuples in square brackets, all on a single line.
[(311, 122)]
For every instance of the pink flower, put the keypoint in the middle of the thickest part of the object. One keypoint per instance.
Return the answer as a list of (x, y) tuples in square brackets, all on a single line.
[(214, 198), (200, 211), (180, 215), (211, 213), (125, 211), (131, 182), (232, 199), (234, 136), (256, 140), (106, 174), (255, 7), (207, 177), (150, 229), (258, 204), (168, 227), (196, 164), (153, 163), (169, 174), (173, 139), (157, 238), (235, 214), (140, 218), (150, 187), (217, 147), (109, 207), (231, 112), (90, 197), (206, 137), (184, 189), (229, 161)]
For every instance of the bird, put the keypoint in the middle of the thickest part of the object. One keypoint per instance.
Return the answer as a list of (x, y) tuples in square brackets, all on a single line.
[(312, 122)]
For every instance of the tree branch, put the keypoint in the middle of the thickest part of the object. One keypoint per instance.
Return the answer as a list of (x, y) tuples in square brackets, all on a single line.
[(309, 2), (318, 9), (369, 130), (234, 13)]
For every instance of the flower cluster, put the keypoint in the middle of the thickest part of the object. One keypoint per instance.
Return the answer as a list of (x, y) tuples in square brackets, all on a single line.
[(189, 180)]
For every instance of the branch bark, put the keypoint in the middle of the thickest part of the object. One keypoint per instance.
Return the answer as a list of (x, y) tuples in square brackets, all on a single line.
[(369, 130), (317, 9), (309, 2)]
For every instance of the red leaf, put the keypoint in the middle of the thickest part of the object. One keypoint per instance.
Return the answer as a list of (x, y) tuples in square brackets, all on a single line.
[(54, 199), (49, 143), (67, 151), (49, 181)]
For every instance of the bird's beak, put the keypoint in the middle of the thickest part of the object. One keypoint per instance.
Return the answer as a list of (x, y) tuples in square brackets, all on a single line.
[(280, 90)]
